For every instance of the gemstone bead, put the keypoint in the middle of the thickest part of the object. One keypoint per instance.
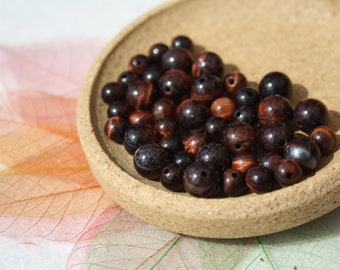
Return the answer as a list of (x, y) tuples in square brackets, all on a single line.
[(234, 81), (234, 183), (287, 172), (140, 94), (275, 109), (325, 138), (223, 107), (111, 92), (172, 177), (207, 63), (276, 83), (243, 162), (177, 58), (115, 128), (259, 179)]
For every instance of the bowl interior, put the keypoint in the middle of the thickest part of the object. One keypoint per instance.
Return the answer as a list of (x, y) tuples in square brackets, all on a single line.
[(299, 38)]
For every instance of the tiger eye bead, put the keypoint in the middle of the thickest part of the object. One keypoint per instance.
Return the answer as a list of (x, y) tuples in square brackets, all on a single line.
[(177, 58), (206, 88), (246, 114), (115, 128), (172, 143), (166, 126), (269, 160), (141, 117), (138, 64), (207, 63), (119, 108), (275, 109), (234, 81), (223, 107), (140, 94), (214, 127), (234, 183), (259, 179), (325, 138), (127, 77), (194, 142), (152, 74), (163, 107), (243, 162), (111, 92), (287, 172)]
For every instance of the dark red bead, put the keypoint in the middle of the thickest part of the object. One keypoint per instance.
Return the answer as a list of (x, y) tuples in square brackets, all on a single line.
[(138, 64), (303, 151), (149, 160), (325, 138), (140, 94), (115, 128), (172, 177), (127, 77), (163, 107), (207, 63), (246, 114), (269, 160), (214, 127), (287, 172), (182, 42), (259, 179), (200, 180), (309, 114), (243, 162), (247, 97), (141, 117), (234, 183), (206, 88), (194, 142), (166, 126), (111, 92), (175, 84), (234, 81), (172, 143), (275, 83), (137, 135), (183, 158), (177, 58), (119, 108), (239, 137), (156, 52), (223, 107), (275, 109), (191, 115), (152, 74)]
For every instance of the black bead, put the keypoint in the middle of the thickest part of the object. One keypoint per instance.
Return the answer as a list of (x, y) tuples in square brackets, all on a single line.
[(172, 177), (177, 58), (214, 127), (248, 97), (127, 77), (259, 179), (275, 83), (137, 135), (182, 42), (246, 114), (234, 183), (172, 143), (119, 108), (111, 92), (183, 158), (156, 52)]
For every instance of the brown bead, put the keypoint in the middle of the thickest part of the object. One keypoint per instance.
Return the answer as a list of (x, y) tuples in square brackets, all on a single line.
[(166, 126), (287, 172), (163, 107), (223, 107), (325, 138), (194, 142), (207, 63), (259, 179), (140, 94), (275, 109), (115, 128), (243, 162), (138, 63), (234, 81), (234, 183), (141, 117)]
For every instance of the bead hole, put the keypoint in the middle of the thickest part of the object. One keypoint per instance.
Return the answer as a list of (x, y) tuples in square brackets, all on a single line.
[(203, 173), (231, 81), (201, 80), (282, 142), (167, 89), (238, 114), (250, 94), (234, 174), (237, 146), (166, 170), (289, 175)]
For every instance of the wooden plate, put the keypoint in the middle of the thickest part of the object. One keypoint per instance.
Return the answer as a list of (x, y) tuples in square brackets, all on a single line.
[(299, 38)]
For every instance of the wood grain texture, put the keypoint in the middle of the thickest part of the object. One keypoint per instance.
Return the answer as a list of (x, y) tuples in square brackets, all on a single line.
[(299, 38)]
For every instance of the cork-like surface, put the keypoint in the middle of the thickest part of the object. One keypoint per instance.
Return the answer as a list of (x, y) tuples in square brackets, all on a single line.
[(299, 38)]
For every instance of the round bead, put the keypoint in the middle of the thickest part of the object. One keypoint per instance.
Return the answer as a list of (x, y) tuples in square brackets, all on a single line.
[(119, 108), (111, 92), (166, 126), (172, 177), (259, 179), (163, 107), (269, 160), (234, 183), (275, 109), (127, 77), (303, 151), (140, 94), (309, 114), (182, 42), (194, 142), (223, 107), (234, 81), (172, 143), (177, 58), (214, 127), (175, 84), (152, 74), (138, 63), (137, 135), (325, 138), (192, 115), (149, 160), (183, 158), (239, 137), (248, 97), (243, 162), (275, 83), (287, 172), (156, 52), (200, 180), (141, 117), (115, 128), (207, 63), (246, 114), (206, 88)]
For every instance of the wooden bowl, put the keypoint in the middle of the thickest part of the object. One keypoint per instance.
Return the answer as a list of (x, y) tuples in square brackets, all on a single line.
[(299, 38)]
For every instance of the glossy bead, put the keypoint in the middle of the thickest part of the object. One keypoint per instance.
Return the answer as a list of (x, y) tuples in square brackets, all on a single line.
[(183, 158), (309, 114), (325, 138), (207, 63), (191, 115), (119, 108), (273, 138), (234, 183), (138, 64), (137, 135), (115, 128), (172, 143), (303, 151), (166, 126), (127, 77), (111, 92), (172, 177), (246, 114), (234, 81), (215, 155), (275, 109), (287, 172), (175, 84), (269, 160), (152, 74), (206, 88), (239, 137), (182, 42), (214, 127), (140, 94), (200, 180), (149, 160), (177, 58), (194, 142), (163, 107), (243, 162), (275, 83), (223, 107), (259, 179), (248, 97), (156, 52), (141, 117)]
